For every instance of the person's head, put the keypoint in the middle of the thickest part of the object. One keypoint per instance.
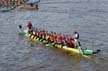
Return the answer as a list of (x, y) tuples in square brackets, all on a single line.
[(54, 33), (20, 26), (31, 4)]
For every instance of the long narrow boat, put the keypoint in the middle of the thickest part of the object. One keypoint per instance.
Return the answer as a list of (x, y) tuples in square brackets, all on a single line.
[(66, 48), (26, 6)]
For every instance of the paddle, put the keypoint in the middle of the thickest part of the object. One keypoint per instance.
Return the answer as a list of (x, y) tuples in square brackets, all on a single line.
[(86, 56), (78, 46)]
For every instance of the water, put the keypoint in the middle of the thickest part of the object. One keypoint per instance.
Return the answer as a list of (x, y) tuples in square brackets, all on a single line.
[(89, 17)]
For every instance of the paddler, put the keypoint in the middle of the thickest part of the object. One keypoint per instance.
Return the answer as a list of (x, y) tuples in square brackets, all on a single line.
[(20, 29), (5, 3), (1, 3), (51, 37), (18, 2), (25, 0), (76, 37), (36, 6), (29, 27), (20, 26), (47, 37), (11, 2), (71, 43), (22, 1), (59, 38)]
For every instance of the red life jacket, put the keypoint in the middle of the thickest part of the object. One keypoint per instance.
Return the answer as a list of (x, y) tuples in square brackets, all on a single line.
[(71, 43)]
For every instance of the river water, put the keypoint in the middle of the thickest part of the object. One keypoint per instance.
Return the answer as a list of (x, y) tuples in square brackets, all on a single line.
[(88, 17)]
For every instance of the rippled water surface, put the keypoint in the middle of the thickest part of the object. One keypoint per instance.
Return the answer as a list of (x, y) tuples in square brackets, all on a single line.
[(89, 17)]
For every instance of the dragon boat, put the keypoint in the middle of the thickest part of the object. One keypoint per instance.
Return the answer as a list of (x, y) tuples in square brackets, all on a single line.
[(27, 6), (66, 48)]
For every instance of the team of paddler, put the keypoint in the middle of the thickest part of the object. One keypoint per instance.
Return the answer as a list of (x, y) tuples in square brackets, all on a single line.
[(20, 4), (12, 2), (52, 36)]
